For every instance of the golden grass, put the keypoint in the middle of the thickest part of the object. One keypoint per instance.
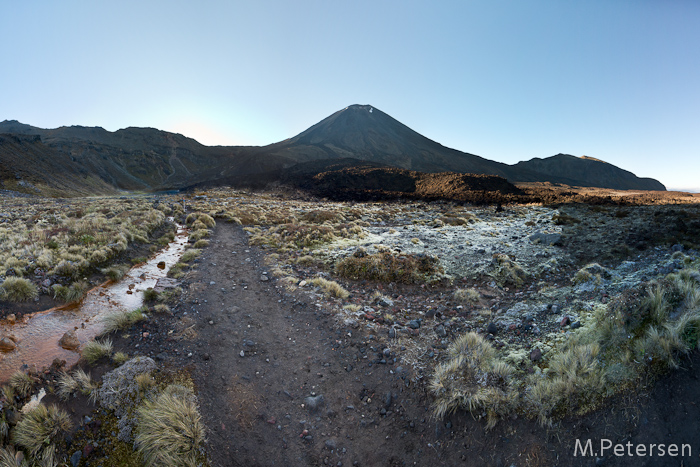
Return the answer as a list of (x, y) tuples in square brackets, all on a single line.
[(469, 296), (170, 431), (330, 288)]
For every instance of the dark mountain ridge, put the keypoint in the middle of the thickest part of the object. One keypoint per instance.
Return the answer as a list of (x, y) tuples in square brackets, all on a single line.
[(149, 159)]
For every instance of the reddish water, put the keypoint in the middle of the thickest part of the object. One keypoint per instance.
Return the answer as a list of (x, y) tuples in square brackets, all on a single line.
[(37, 335)]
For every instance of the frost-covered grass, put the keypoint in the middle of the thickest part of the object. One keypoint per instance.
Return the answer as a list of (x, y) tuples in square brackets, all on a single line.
[(72, 238)]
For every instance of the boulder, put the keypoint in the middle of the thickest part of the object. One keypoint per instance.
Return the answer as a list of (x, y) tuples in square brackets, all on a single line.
[(7, 344), (69, 341)]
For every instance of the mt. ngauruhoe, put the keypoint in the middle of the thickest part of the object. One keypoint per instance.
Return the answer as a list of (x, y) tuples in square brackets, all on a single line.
[(67, 158)]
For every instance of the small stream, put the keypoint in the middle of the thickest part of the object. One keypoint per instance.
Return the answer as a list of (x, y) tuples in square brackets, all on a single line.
[(37, 334)]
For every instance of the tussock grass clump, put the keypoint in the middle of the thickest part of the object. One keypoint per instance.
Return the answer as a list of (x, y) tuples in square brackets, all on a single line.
[(201, 243), (564, 219), (293, 236), (205, 219), (170, 431), (507, 271), (122, 320), (469, 296), (582, 276), (40, 429), (161, 308), (17, 289), (641, 334), (176, 271), (575, 379), (73, 293), (197, 235), (319, 216), (21, 383), (120, 358), (388, 267), (116, 272), (71, 384), (306, 260), (150, 295), (190, 255), (330, 288), (11, 458), (95, 350), (475, 379)]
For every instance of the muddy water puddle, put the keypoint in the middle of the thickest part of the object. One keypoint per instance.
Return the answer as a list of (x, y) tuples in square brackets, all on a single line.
[(37, 335)]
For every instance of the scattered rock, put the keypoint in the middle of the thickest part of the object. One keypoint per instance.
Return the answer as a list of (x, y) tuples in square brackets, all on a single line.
[(264, 278), (7, 344), (69, 341), (565, 321), (440, 330), (535, 355), (384, 301), (75, 458), (313, 403), (388, 399), (492, 328), (415, 323), (576, 325), (330, 444)]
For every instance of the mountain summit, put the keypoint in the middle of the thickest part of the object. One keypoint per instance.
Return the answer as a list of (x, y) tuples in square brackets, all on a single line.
[(366, 133)]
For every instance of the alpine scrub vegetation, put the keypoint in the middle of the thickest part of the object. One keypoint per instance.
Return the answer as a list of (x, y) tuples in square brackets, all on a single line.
[(46, 238), (636, 337)]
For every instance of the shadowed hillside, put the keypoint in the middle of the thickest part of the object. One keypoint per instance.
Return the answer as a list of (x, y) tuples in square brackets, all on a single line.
[(149, 159), (29, 166)]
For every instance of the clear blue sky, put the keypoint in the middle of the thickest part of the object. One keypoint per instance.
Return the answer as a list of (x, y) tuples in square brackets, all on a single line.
[(507, 80)]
